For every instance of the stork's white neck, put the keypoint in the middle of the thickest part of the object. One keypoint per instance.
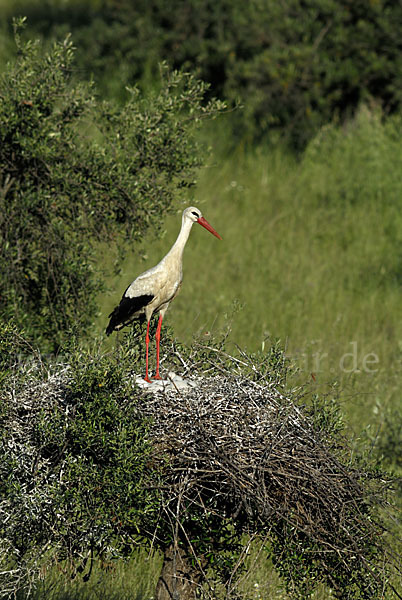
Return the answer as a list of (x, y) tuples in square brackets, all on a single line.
[(182, 238)]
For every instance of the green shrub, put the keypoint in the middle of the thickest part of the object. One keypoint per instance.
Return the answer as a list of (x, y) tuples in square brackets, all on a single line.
[(77, 172), (76, 477)]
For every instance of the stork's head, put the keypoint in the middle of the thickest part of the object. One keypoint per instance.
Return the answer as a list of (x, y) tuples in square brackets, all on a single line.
[(195, 215)]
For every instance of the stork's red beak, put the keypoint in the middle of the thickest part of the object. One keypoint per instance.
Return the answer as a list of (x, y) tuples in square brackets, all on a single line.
[(205, 224)]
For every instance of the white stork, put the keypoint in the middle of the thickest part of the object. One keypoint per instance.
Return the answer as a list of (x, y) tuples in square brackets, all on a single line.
[(154, 289)]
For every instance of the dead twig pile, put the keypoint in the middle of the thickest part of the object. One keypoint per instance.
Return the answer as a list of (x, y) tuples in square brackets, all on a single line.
[(238, 451)]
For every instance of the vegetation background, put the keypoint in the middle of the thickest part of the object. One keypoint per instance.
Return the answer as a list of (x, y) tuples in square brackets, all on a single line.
[(302, 180)]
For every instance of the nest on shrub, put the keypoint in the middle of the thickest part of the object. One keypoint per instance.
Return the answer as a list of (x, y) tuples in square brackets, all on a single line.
[(235, 450), (231, 455)]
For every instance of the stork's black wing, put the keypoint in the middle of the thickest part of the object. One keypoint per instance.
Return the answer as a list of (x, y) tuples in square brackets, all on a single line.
[(125, 310)]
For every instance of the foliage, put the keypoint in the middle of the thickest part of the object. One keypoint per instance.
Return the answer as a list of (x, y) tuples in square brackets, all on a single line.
[(75, 468), (389, 442), (92, 466), (11, 345), (294, 65), (76, 172)]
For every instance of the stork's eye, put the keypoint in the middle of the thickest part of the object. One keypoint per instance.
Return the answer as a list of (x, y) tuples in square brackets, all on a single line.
[(195, 214)]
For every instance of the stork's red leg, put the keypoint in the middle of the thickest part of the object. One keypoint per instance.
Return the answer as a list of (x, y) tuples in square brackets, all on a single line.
[(158, 339), (146, 355)]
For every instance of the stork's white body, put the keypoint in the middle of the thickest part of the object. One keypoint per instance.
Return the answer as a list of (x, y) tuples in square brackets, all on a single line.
[(154, 289), (164, 280)]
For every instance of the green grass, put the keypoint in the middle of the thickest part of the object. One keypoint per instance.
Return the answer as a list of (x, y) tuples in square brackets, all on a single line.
[(311, 250), (121, 580), (136, 580)]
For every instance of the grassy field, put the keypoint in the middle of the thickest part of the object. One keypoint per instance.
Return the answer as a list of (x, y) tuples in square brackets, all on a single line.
[(311, 254), (136, 580), (132, 580)]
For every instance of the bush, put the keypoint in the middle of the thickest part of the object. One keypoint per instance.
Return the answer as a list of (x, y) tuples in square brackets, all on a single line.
[(92, 466), (75, 467), (294, 65), (76, 172)]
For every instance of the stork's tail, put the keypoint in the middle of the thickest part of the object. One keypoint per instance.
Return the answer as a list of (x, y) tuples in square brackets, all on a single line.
[(114, 320), (126, 311), (111, 327)]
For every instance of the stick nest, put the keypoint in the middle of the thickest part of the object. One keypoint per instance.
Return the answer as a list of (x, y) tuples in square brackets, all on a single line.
[(232, 455), (241, 450)]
